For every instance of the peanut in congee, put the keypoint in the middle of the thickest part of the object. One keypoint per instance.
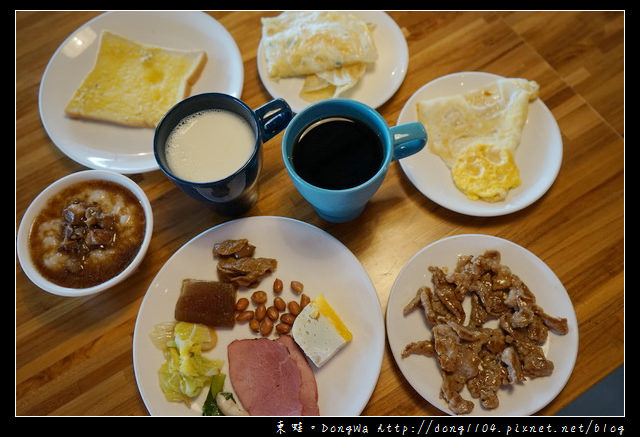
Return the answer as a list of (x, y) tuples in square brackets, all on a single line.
[(87, 234)]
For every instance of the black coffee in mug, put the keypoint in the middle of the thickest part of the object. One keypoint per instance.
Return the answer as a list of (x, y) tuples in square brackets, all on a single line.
[(337, 153)]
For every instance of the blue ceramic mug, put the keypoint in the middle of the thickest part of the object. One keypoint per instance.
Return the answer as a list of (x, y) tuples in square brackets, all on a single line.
[(236, 193), (341, 203)]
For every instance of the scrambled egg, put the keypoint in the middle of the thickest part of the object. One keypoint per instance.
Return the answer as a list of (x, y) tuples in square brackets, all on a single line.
[(186, 371), (477, 133), (485, 172)]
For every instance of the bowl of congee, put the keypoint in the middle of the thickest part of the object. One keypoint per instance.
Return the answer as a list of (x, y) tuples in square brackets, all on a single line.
[(85, 233)]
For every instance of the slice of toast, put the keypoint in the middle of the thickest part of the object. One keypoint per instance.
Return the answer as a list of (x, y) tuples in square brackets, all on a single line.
[(133, 84)]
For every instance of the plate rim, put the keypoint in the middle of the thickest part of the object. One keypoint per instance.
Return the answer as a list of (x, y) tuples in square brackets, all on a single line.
[(380, 340), (571, 317), (469, 207)]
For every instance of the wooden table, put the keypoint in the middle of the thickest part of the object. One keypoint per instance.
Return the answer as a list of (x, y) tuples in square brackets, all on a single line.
[(74, 355)]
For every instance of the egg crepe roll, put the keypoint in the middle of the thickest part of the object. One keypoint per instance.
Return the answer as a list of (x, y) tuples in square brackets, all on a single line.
[(307, 42), (331, 83)]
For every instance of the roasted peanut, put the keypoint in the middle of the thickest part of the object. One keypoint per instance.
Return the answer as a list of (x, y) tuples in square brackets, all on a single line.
[(304, 300), (266, 326), (283, 328), (288, 318), (259, 297), (294, 307), (297, 286), (242, 304), (254, 324), (277, 286), (280, 304), (273, 313), (261, 311), (244, 316)]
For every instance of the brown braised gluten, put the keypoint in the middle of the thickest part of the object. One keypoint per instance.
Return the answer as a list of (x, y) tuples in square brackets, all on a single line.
[(239, 248), (481, 358), (211, 303), (237, 265)]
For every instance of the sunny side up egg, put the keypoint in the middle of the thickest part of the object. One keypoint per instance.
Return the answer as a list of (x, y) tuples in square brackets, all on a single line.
[(485, 172), (477, 133)]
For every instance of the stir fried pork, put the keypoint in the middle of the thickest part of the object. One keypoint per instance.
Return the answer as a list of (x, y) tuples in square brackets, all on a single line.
[(474, 356)]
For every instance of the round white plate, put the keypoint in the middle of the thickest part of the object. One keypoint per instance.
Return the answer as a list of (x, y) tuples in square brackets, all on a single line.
[(379, 83), (423, 373), (538, 156), (304, 253), (124, 149)]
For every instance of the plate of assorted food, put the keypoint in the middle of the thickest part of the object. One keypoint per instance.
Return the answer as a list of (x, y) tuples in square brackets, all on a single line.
[(111, 81), (479, 325), (261, 316), (493, 146), (306, 56)]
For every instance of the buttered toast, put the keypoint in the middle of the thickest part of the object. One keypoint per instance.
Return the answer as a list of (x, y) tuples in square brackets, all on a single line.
[(133, 84)]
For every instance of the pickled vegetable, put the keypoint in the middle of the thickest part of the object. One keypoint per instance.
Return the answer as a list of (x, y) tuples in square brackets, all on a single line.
[(186, 372), (210, 406)]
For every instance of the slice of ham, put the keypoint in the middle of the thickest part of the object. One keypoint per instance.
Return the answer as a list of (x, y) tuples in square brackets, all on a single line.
[(272, 377), (308, 388)]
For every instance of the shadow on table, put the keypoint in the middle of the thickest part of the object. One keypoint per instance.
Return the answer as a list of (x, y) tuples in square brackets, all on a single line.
[(603, 399)]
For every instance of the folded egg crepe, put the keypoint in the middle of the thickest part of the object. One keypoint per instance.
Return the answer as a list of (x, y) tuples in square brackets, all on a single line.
[(330, 49), (477, 132), (332, 83)]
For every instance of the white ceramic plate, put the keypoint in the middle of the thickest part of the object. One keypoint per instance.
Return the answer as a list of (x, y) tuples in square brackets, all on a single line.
[(422, 372), (120, 148), (538, 156), (379, 83), (304, 253)]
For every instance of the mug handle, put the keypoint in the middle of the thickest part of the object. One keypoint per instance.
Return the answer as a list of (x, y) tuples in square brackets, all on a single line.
[(273, 117), (408, 138)]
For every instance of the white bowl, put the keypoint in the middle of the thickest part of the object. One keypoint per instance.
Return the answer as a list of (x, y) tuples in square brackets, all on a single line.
[(22, 244)]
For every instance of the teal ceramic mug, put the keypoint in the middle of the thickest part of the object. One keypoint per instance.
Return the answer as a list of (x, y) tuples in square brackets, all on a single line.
[(338, 151)]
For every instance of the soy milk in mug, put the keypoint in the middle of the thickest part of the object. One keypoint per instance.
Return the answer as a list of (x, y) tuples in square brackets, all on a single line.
[(209, 145)]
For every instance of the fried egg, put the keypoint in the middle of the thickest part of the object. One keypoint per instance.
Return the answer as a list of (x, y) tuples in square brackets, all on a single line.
[(476, 134), (484, 172)]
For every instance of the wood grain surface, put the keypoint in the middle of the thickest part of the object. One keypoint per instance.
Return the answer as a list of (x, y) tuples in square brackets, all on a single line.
[(74, 355)]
